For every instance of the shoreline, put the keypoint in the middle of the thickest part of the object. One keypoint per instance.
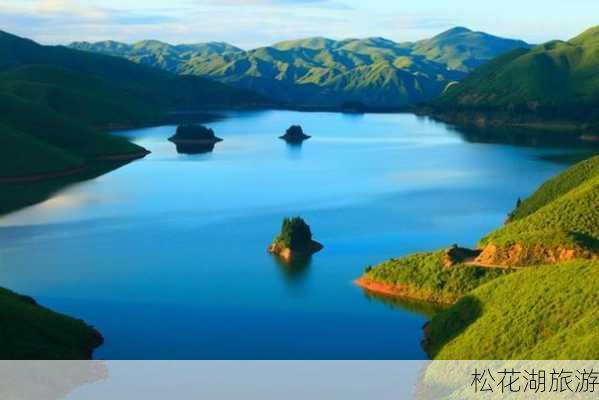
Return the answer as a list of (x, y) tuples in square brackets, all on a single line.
[(401, 291), (45, 176), (495, 119)]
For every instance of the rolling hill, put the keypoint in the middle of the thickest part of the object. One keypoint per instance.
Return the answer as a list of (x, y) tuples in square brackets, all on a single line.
[(546, 260), (54, 100), (555, 81), (545, 313), (32, 332), (323, 72)]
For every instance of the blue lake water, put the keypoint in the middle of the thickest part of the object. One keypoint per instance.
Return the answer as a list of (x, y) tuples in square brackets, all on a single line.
[(167, 255)]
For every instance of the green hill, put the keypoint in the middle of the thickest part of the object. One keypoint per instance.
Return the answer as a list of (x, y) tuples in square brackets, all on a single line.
[(31, 332), (559, 222), (464, 50), (150, 84), (23, 155), (503, 310), (558, 186), (545, 313), (554, 81), (324, 72), (55, 98)]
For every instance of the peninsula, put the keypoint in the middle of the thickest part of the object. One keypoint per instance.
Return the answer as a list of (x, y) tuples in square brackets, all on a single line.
[(545, 259)]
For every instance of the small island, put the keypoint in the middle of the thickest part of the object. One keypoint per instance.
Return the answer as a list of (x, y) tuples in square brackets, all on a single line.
[(295, 134), (194, 134), (295, 239)]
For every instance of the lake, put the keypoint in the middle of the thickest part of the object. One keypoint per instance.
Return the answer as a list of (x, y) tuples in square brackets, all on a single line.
[(167, 255)]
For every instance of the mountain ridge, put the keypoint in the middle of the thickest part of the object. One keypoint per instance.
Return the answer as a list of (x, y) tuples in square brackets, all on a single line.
[(551, 82), (319, 71)]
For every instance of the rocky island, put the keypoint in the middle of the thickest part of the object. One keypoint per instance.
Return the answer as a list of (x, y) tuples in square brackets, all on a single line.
[(194, 134), (295, 134), (294, 240)]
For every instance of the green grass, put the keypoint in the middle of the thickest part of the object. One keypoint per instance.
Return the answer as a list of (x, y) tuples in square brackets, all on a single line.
[(549, 312), (570, 218), (79, 96), (323, 72), (58, 130), (558, 186), (425, 277), (30, 331), (553, 81), (21, 154)]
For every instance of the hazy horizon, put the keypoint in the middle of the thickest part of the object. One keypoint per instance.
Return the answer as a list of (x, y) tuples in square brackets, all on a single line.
[(255, 23)]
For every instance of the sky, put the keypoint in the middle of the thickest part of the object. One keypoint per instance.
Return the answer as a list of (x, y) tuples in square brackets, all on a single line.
[(253, 23)]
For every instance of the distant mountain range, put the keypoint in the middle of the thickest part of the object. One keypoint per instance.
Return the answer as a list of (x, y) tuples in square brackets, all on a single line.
[(551, 82), (322, 72)]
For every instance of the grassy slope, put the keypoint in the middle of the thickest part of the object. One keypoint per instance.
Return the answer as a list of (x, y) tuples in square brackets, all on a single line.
[(537, 313), (152, 85), (558, 186), (425, 278), (77, 95), (475, 48), (550, 312), (57, 130), (320, 71), (28, 331), (572, 218), (556, 80), (21, 154)]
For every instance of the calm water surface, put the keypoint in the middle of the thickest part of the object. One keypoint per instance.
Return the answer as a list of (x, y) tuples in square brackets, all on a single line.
[(167, 255)]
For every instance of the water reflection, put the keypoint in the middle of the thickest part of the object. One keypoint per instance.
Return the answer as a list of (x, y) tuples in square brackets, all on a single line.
[(194, 148), (294, 149), (520, 136), (295, 270), (415, 306), (17, 196)]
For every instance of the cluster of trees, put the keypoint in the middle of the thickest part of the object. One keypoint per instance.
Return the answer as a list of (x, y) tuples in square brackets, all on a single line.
[(295, 234)]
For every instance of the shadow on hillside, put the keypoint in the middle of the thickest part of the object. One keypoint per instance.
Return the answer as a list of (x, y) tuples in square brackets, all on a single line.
[(449, 324)]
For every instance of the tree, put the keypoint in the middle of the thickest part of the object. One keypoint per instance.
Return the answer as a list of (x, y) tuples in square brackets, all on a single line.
[(295, 233)]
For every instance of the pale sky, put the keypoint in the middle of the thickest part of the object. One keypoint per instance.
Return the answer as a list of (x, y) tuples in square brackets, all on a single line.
[(253, 23)]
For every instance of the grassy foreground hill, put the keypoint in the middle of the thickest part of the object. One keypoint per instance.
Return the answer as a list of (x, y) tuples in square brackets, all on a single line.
[(30, 331), (323, 72), (544, 313), (554, 84), (529, 291)]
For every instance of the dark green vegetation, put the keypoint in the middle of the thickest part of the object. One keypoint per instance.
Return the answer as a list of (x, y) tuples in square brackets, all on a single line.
[(539, 312), (295, 234), (54, 99), (424, 277), (375, 72), (549, 312), (194, 133), (552, 85), (295, 134), (29, 331)]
